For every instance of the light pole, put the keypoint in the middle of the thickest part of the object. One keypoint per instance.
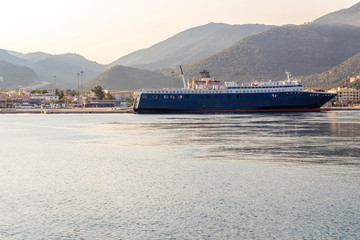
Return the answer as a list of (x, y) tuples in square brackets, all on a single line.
[(82, 89), (55, 81), (78, 74), (82, 82), (53, 102)]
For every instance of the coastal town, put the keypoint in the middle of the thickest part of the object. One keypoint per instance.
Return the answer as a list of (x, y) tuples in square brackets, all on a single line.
[(42, 101)]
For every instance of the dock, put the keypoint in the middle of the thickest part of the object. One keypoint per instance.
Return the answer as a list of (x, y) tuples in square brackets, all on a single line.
[(66, 110), (357, 108)]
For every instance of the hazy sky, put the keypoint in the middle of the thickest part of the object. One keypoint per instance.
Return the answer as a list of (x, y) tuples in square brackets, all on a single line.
[(104, 30)]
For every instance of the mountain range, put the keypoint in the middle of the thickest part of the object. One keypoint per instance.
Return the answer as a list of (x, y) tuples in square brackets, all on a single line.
[(55, 70), (189, 45), (305, 50), (230, 52)]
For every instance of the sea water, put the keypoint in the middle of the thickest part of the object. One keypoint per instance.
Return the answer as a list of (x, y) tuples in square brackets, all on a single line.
[(128, 176)]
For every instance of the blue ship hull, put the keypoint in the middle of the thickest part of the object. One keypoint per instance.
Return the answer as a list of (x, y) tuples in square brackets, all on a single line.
[(230, 102)]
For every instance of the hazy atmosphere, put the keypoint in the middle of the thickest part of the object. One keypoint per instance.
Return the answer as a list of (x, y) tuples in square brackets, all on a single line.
[(103, 31), (163, 119)]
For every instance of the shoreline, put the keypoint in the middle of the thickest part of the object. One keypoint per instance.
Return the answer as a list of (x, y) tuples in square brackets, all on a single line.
[(114, 110), (343, 108), (66, 110)]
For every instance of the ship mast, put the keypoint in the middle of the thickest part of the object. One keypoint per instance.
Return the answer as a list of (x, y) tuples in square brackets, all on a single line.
[(183, 78), (288, 74)]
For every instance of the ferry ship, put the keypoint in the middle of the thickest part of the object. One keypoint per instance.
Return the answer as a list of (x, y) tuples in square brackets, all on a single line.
[(207, 95)]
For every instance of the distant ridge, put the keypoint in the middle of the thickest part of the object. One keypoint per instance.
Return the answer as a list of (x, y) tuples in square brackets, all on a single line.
[(190, 45), (350, 16), (14, 59), (161, 49), (65, 67), (13, 76), (59, 70), (128, 78)]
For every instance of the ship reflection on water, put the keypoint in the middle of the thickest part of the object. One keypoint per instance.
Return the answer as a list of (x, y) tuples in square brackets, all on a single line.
[(327, 137)]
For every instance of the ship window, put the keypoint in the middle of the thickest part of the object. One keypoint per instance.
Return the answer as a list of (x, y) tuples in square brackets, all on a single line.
[(172, 96), (228, 96), (179, 96), (155, 96), (166, 96), (274, 95), (144, 96), (187, 96)]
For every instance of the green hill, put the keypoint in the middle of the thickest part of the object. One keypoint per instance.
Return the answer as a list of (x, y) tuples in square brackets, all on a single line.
[(302, 50), (127, 78), (337, 76), (13, 76)]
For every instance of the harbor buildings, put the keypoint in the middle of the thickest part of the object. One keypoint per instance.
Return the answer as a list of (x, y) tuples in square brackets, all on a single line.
[(347, 96)]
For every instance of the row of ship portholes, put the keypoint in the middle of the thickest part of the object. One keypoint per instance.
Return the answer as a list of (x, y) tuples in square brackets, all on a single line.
[(228, 96), (145, 96)]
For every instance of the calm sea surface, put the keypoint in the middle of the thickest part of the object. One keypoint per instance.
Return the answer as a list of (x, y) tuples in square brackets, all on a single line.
[(127, 176)]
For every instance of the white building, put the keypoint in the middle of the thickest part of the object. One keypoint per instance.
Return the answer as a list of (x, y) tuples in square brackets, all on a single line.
[(45, 97)]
